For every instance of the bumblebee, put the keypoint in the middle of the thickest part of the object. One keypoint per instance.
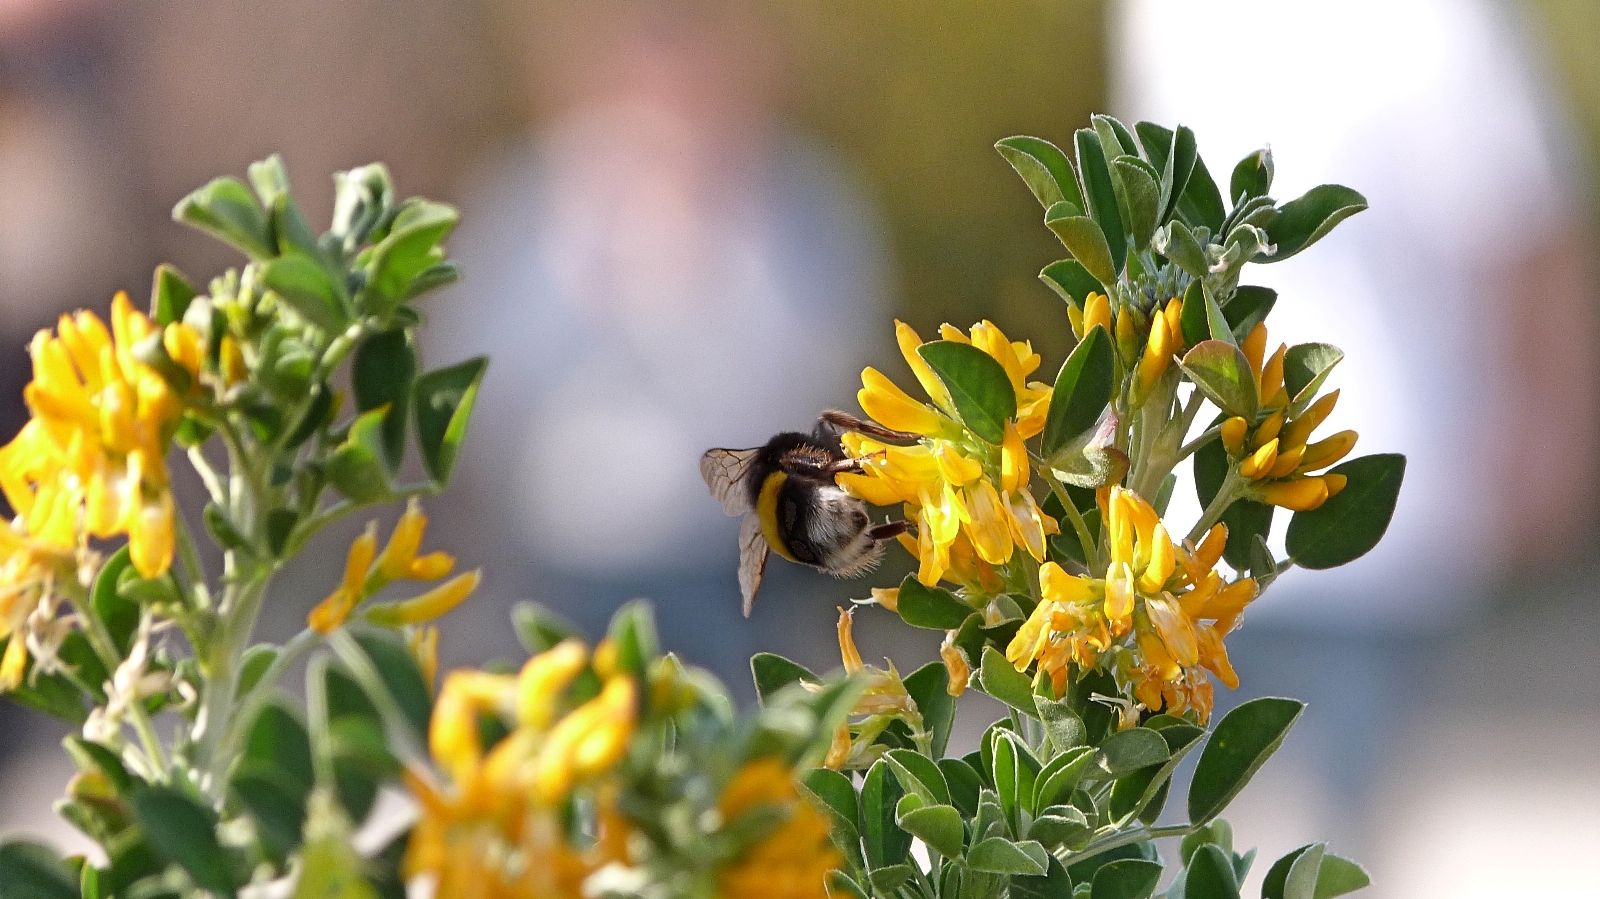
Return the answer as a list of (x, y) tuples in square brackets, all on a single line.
[(786, 491)]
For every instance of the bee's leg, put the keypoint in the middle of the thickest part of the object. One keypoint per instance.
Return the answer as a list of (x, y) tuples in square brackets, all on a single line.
[(889, 530), (807, 468), (833, 423)]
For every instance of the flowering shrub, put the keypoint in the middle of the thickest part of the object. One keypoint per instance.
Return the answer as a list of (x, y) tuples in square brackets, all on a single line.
[(1037, 532)]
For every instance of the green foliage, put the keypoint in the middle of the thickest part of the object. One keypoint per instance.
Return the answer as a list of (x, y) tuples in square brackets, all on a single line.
[(1082, 390), (978, 386), (1351, 523)]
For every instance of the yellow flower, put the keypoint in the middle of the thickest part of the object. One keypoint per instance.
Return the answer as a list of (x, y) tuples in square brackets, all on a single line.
[(955, 665), (1164, 342), (1162, 602), (956, 487), (1276, 456), (883, 701), (493, 828), (92, 457), (30, 569), (793, 860), (424, 645), (332, 611), (366, 571)]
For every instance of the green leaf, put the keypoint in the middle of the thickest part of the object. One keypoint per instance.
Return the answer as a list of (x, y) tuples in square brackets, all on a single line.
[(882, 839), (889, 878), (1082, 391), (1210, 875), (1138, 188), (358, 468), (998, 855), (918, 775), (1221, 372), (1141, 793), (276, 807), (1217, 325), (1302, 222), (1100, 196), (837, 795), (1201, 203), (840, 884), (1111, 136), (978, 386), (1193, 318), (1301, 881), (538, 628), (1060, 826), (1175, 241), (1061, 724), (432, 278), (119, 615), (170, 294), (1218, 831), (444, 400), (964, 784), (1127, 751), (1248, 308), (410, 247), (397, 669), (225, 209), (31, 871), (277, 741), (928, 687), (1252, 177), (381, 372), (933, 608), (1084, 239), (91, 756), (1055, 884), (289, 228), (185, 831), (633, 632), (1306, 367), (1044, 168), (773, 672), (1335, 876), (1000, 679), (1071, 281), (309, 288), (1060, 776), (1128, 878), (1239, 745), (940, 826), (1351, 522)]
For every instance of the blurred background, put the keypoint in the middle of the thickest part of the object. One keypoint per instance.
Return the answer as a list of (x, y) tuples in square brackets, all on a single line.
[(688, 224)]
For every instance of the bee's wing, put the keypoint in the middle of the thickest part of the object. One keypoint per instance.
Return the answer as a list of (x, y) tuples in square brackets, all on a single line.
[(753, 551), (724, 471)]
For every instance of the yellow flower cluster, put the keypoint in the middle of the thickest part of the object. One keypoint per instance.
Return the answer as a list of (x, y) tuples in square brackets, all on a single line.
[(366, 571), (1176, 607), (1275, 455), (495, 832), (791, 862), (92, 457), (29, 571), (969, 498), (884, 701), (1160, 335)]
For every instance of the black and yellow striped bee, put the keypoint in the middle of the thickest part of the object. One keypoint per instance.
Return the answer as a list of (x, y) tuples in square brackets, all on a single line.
[(792, 506)]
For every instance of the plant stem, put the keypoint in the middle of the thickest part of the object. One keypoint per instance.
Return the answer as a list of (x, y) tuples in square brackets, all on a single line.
[(1226, 494), (1125, 837), (1078, 524)]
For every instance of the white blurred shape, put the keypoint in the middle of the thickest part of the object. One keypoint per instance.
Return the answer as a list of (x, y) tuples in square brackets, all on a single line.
[(1429, 109)]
